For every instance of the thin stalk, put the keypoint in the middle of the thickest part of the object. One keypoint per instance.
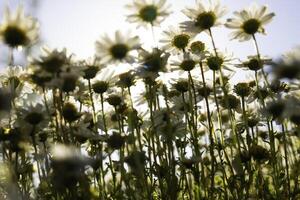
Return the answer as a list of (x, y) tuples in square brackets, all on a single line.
[(286, 159), (92, 101), (210, 127), (259, 59), (106, 133)]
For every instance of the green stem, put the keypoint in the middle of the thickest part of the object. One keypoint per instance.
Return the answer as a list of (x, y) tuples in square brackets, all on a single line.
[(286, 160)]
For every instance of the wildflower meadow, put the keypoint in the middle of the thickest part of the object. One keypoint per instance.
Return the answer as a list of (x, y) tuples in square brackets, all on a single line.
[(172, 125)]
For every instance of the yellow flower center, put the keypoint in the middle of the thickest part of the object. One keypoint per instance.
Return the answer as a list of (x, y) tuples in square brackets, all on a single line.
[(205, 20), (148, 13), (254, 64), (214, 63), (251, 26), (181, 41), (14, 36), (187, 65), (197, 47), (119, 51)]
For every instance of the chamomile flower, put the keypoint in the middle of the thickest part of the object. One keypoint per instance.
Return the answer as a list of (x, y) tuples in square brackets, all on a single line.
[(222, 60), (91, 67), (147, 12), (14, 78), (175, 40), (254, 63), (118, 50), (52, 60), (152, 63), (204, 16), (198, 48), (66, 82), (104, 81), (32, 118), (289, 65), (126, 80), (185, 62), (249, 21), (168, 125), (17, 29), (292, 56)]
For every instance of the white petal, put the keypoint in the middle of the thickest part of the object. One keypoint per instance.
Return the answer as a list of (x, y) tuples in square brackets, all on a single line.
[(267, 18)]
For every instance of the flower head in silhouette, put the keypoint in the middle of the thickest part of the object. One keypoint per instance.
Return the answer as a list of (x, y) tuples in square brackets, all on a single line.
[(204, 16), (175, 40), (249, 21), (117, 50), (17, 29), (147, 12)]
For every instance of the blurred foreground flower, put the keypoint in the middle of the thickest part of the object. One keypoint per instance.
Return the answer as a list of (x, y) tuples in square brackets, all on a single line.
[(148, 12), (68, 166), (289, 66), (17, 29)]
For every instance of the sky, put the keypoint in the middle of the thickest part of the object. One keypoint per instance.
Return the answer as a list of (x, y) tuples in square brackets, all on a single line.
[(77, 24)]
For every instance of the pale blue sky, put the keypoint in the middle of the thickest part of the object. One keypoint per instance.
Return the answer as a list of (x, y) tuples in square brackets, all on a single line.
[(76, 24)]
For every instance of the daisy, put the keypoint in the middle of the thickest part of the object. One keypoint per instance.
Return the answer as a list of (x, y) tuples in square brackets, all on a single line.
[(168, 125), (255, 64), (104, 81), (14, 78), (32, 118), (185, 62), (52, 60), (91, 67), (148, 12), (249, 21), (198, 48), (223, 60), (288, 65), (126, 80), (17, 29), (66, 82), (175, 40), (152, 63), (204, 16), (118, 50)]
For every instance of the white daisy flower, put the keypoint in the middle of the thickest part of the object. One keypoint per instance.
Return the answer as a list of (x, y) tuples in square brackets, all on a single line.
[(104, 81), (17, 29), (66, 82), (224, 60), (91, 67), (186, 62), (151, 63), (52, 60), (147, 12), (118, 50), (204, 16), (289, 65), (175, 40), (32, 118), (13, 76), (249, 21), (254, 63), (292, 56), (198, 48)]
